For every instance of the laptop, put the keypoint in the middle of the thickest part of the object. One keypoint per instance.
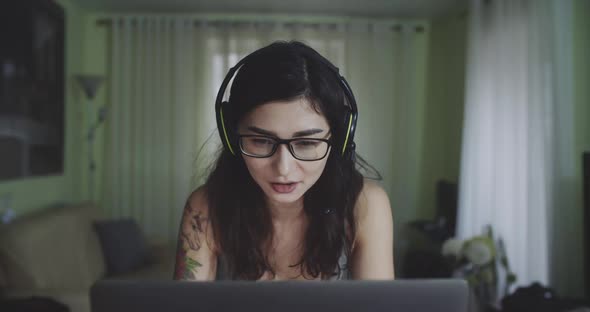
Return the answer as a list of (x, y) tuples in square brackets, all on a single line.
[(444, 295)]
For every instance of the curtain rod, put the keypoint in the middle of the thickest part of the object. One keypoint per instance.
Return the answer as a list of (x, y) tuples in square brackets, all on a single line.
[(107, 22)]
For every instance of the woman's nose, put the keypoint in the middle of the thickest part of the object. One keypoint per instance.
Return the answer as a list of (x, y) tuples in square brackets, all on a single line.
[(284, 161)]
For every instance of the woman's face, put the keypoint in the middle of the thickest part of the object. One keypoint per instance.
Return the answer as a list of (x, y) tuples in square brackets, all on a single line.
[(283, 178)]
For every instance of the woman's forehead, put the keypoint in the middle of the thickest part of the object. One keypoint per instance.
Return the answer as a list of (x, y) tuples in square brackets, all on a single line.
[(285, 117)]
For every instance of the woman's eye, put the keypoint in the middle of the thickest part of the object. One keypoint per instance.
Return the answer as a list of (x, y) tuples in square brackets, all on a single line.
[(261, 141), (308, 143)]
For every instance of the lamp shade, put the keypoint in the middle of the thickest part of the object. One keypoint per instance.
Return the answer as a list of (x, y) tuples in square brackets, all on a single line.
[(90, 84)]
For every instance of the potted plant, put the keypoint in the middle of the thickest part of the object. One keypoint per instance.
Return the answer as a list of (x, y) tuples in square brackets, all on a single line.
[(477, 260)]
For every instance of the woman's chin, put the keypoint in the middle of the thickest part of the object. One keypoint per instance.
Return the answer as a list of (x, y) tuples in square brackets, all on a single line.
[(283, 198)]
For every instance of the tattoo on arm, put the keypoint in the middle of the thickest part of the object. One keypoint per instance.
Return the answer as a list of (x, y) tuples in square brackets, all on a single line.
[(193, 227), (186, 267)]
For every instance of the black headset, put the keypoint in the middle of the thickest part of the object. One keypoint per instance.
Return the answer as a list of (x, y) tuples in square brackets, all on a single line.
[(350, 120)]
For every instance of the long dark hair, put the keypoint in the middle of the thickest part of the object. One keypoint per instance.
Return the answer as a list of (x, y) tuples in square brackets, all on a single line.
[(241, 221)]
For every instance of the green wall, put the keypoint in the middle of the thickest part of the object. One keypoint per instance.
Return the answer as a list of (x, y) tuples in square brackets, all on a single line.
[(581, 67), (443, 121), (582, 73), (567, 220), (31, 194)]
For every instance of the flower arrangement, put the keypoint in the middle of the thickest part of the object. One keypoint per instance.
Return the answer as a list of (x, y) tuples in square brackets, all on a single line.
[(477, 260)]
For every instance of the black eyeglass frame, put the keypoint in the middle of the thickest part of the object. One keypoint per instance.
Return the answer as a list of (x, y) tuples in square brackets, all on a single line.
[(281, 141)]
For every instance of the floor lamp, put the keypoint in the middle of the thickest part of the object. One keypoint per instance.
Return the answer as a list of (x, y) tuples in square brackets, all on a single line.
[(90, 85)]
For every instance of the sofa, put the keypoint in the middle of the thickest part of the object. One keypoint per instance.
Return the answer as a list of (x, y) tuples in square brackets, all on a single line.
[(57, 253)]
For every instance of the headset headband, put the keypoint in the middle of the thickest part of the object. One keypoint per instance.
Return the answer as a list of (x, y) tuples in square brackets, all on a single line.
[(350, 120)]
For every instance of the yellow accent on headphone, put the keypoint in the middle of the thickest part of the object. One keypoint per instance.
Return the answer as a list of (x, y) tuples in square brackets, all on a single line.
[(347, 133), (225, 132)]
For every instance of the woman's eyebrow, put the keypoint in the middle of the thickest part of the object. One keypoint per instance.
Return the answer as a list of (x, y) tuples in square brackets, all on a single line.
[(262, 131), (295, 135), (307, 132)]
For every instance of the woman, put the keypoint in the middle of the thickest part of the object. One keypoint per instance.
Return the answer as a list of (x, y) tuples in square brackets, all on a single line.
[(285, 200)]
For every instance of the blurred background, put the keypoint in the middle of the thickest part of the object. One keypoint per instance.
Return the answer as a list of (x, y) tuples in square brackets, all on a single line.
[(475, 113)]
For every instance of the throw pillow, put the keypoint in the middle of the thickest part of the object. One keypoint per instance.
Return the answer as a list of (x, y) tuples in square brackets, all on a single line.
[(123, 245)]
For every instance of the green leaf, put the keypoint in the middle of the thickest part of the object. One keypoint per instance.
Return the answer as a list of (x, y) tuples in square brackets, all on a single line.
[(511, 278), (504, 262)]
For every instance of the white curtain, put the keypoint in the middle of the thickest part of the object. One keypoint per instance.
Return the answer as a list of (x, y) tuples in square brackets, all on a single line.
[(165, 72), (152, 126), (517, 131), (387, 73)]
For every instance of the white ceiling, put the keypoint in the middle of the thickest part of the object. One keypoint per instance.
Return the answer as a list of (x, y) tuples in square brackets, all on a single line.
[(369, 8)]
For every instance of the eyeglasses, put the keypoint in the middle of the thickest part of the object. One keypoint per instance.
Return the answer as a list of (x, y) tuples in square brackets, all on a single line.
[(307, 149)]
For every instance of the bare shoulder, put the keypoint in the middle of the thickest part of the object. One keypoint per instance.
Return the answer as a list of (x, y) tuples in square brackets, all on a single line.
[(197, 200), (372, 203), (373, 244)]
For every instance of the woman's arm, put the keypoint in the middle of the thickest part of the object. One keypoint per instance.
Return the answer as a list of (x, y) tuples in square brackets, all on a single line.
[(372, 256), (195, 258)]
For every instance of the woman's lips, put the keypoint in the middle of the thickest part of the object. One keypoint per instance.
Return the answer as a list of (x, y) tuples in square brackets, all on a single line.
[(284, 188)]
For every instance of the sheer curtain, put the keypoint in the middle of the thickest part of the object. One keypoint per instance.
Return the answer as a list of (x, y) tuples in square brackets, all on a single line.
[(517, 132), (165, 72)]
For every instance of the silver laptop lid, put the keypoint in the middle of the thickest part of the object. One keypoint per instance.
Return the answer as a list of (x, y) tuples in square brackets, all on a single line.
[(325, 296)]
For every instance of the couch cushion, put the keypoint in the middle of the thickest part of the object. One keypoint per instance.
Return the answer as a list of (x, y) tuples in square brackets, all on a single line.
[(56, 248)]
